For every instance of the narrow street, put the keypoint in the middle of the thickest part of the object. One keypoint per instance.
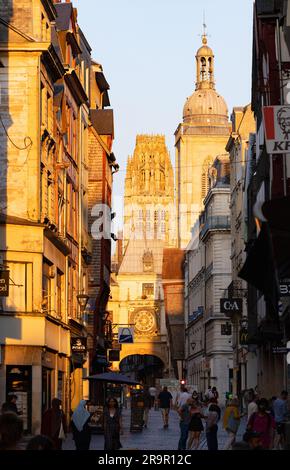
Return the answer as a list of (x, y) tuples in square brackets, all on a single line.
[(154, 437)]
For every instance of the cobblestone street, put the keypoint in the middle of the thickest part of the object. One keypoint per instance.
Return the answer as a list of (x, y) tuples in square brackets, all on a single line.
[(155, 437)]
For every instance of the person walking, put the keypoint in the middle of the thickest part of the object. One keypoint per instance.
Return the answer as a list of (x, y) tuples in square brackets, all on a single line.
[(262, 422), (80, 426), (195, 426), (195, 396), (185, 416), (54, 423), (11, 429), (147, 398), (280, 409), (231, 422), (208, 394), (10, 405), (212, 419), (112, 425), (215, 395), (152, 391), (252, 405), (165, 404), (182, 397)]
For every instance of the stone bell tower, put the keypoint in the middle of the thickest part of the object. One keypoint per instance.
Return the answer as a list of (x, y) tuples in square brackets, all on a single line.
[(201, 136)]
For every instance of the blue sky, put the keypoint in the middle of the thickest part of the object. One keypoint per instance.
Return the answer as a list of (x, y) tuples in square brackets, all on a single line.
[(147, 49)]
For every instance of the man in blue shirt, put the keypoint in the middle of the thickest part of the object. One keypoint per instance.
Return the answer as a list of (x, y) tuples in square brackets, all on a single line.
[(280, 408)]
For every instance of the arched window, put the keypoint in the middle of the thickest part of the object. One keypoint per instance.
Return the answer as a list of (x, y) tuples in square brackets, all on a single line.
[(205, 176), (203, 73)]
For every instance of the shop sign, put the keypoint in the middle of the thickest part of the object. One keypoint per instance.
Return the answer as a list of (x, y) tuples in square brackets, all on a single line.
[(126, 335), (79, 345), (231, 306), (4, 283), (285, 288), (277, 128), (114, 355), (243, 336), (196, 314), (280, 350)]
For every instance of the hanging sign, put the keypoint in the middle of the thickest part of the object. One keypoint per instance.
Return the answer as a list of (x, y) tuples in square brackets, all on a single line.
[(79, 345), (277, 128), (230, 306), (4, 283), (126, 335)]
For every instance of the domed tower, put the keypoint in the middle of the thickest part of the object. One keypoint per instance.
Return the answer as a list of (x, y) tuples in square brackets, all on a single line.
[(201, 136)]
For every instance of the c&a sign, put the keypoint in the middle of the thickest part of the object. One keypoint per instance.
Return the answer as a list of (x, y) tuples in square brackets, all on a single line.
[(231, 306)]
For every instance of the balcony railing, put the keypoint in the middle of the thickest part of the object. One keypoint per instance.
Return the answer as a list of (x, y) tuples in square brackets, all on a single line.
[(220, 222)]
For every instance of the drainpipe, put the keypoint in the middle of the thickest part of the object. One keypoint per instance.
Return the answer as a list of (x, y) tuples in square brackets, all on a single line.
[(278, 38)]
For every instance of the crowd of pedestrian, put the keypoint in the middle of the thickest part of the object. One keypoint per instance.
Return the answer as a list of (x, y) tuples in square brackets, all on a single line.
[(265, 419), (198, 415)]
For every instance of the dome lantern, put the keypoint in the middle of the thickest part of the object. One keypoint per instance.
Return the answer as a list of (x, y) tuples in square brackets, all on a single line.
[(205, 107), (204, 66)]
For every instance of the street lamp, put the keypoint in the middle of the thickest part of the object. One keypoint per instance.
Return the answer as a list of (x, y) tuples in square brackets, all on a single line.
[(82, 301)]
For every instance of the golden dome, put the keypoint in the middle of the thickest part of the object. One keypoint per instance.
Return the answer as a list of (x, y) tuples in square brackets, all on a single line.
[(205, 107), (204, 51)]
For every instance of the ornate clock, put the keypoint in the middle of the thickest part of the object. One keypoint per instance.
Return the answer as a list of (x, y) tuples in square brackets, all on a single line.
[(145, 323)]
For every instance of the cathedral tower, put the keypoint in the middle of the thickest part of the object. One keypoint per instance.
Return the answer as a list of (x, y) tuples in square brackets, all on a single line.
[(149, 192), (201, 136)]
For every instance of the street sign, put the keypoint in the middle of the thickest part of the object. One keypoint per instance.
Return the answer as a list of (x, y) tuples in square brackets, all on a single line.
[(114, 355), (285, 288), (126, 335), (4, 283), (231, 306), (79, 345), (280, 350)]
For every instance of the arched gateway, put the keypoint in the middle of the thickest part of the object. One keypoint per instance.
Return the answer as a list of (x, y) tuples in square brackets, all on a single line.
[(145, 368)]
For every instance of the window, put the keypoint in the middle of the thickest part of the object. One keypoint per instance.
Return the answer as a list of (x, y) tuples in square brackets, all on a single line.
[(43, 106), (226, 329), (59, 291), (20, 288), (60, 213), (147, 290), (46, 288), (72, 291)]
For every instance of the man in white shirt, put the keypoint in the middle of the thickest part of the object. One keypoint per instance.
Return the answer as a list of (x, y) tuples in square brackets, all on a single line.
[(182, 397), (252, 407)]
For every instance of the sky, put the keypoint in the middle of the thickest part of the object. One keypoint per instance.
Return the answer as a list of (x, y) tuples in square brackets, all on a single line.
[(147, 49)]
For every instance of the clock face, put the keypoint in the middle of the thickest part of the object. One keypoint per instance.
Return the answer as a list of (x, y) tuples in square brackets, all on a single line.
[(144, 322)]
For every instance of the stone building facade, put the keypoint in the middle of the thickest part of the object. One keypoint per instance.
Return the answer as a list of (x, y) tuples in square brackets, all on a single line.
[(208, 348), (45, 238), (244, 356)]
